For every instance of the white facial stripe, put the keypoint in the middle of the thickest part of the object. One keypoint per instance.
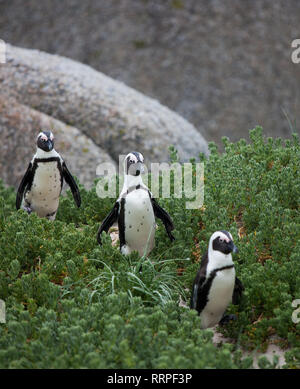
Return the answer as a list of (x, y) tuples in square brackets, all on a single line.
[(132, 157), (42, 136), (224, 237), (221, 235)]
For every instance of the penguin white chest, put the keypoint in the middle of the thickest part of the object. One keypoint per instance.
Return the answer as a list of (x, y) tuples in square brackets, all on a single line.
[(219, 297), (139, 222), (45, 190)]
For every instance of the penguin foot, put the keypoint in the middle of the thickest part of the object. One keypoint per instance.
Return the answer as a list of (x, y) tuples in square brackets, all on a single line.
[(28, 210), (125, 250), (51, 216), (226, 319)]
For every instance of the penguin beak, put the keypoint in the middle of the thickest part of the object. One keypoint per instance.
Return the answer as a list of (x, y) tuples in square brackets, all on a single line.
[(46, 145), (139, 168), (49, 145), (235, 249)]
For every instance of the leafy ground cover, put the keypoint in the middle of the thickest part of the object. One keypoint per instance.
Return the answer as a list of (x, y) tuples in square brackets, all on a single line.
[(73, 304)]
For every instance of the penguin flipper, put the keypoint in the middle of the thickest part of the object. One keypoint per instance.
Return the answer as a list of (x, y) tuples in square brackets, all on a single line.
[(164, 217), (196, 301), (226, 319), (26, 180), (198, 298), (237, 291), (110, 219), (72, 184)]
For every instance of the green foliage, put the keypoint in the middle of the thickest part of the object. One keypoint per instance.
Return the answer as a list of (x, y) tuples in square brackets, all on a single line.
[(71, 303), (114, 332)]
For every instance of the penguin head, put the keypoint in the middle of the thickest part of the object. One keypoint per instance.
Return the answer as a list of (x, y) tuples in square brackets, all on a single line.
[(222, 241), (45, 141), (134, 164)]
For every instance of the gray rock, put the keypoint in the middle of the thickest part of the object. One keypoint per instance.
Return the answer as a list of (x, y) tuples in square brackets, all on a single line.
[(116, 117), (19, 127), (223, 65)]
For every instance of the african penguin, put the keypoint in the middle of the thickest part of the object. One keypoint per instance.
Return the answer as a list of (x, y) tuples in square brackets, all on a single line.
[(42, 183), (135, 211), (216, 284)]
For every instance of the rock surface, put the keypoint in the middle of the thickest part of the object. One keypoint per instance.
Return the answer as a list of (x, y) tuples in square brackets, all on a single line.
[(113, 115), (224, 65), (19, 126)]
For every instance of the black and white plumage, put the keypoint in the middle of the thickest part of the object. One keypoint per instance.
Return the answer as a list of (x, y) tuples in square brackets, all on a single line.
[(216, 284), (42, 183), (135, 211)]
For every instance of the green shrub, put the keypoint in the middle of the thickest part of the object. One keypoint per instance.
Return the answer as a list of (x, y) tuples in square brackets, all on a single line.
[(71, 303)]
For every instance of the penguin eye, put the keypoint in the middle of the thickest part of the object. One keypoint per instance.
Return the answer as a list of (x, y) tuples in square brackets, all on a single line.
[(221, 240)]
